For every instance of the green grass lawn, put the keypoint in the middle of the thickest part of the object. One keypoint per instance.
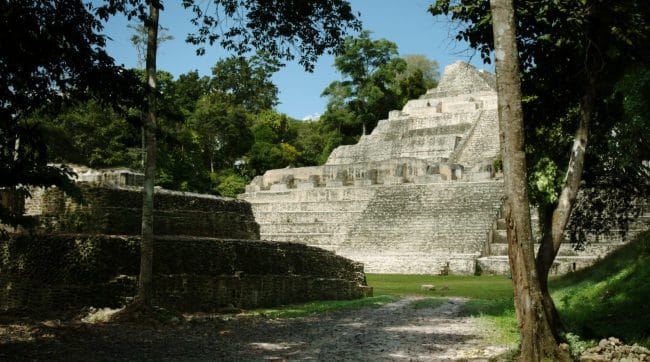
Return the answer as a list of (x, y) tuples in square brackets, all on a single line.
[(477, 287), (608, 299)]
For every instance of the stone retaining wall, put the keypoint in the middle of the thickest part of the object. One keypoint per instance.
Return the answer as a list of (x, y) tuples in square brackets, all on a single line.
[(118, 211), (55, 272)]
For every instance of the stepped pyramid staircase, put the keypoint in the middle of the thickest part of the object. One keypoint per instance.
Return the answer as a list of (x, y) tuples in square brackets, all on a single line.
[(569, 258), (418, 195)]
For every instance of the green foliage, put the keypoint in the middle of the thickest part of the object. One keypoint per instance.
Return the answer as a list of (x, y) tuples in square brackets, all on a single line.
[(92, 134), (51, 52), (547, 179), (375, 81), (566, 48), (609, 298), (500, 313), (228, 183), (246, 82), (275, 143), (222, 131), (310, 143), (420, 63), (369, 68), (428, 303)]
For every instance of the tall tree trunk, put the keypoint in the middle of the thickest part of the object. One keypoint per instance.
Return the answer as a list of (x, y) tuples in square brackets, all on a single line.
[(537, 339), (553, 238), (145, 284)]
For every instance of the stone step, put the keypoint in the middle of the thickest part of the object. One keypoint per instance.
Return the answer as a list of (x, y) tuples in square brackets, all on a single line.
[(414, 263), (273, 217), (332, 206), (322, 240), (314, 228), (318, 194), (499, 265), (566, 249), (427, 206), (613, 236)]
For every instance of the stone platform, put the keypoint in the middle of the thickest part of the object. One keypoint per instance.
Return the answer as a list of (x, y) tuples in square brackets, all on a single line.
[(417, 195)]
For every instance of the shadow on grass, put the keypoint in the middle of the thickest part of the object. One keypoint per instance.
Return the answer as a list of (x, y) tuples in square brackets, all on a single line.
[(611, 297)]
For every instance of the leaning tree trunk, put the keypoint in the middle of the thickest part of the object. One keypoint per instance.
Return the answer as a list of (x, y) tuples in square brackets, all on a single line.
[(145, 284), (537, 339), (552, 239)]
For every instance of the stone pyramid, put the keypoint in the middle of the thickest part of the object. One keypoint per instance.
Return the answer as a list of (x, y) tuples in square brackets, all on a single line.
[(419, 195)]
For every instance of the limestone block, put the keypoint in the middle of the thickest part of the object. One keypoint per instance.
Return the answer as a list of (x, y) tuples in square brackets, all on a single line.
[(479, 176), (458, 172), (279, 187), (315, 179), (446, 172), (393, 180), (451, 172), (493, 265), (252, 188), (306, 185), (394, 114), (426, 179), (335, 183), (462, 266)]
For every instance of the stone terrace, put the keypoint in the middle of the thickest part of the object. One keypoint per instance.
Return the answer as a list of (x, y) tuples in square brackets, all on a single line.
[(418, 195)]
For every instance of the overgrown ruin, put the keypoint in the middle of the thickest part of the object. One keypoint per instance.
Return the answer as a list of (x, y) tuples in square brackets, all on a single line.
[(422, 194), (207, 253)]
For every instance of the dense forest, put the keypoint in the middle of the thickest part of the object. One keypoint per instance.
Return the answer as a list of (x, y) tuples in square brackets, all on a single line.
[(217, 132)]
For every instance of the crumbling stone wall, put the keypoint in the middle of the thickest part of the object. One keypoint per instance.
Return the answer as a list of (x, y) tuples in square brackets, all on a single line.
[(54, 272), (118, 211)]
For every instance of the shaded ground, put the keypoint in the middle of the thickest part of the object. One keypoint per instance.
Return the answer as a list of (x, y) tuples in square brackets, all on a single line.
[(395, 331)]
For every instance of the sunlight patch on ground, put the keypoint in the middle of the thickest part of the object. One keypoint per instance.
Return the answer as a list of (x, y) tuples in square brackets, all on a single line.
[(354, 325), (274, 347), (411, 329)]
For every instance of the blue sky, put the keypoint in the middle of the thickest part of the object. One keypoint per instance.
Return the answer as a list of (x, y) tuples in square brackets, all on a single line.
[(406, 23)]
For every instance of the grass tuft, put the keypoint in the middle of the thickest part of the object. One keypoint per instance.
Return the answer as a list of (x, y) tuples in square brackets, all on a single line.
[(302, 310), (431, 303), (481, 287), (500, 315)]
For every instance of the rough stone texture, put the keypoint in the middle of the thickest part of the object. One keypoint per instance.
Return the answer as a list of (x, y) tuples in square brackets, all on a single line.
[(570, 257), (207, 254), (112, 210), (419, 195), (55, 272), (612, 349), (416, 196)]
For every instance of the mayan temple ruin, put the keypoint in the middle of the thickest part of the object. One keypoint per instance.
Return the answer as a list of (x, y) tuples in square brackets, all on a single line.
[(419, 195)]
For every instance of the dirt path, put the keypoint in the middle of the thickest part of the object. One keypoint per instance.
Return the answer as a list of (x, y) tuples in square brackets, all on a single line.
[(393, 332)]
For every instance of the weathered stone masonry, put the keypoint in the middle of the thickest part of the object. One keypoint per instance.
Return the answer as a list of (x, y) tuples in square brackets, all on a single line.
[(207, 253), (418, 195)]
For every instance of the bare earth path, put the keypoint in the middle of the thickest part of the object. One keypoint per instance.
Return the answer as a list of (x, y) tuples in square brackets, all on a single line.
[(393, 332)]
